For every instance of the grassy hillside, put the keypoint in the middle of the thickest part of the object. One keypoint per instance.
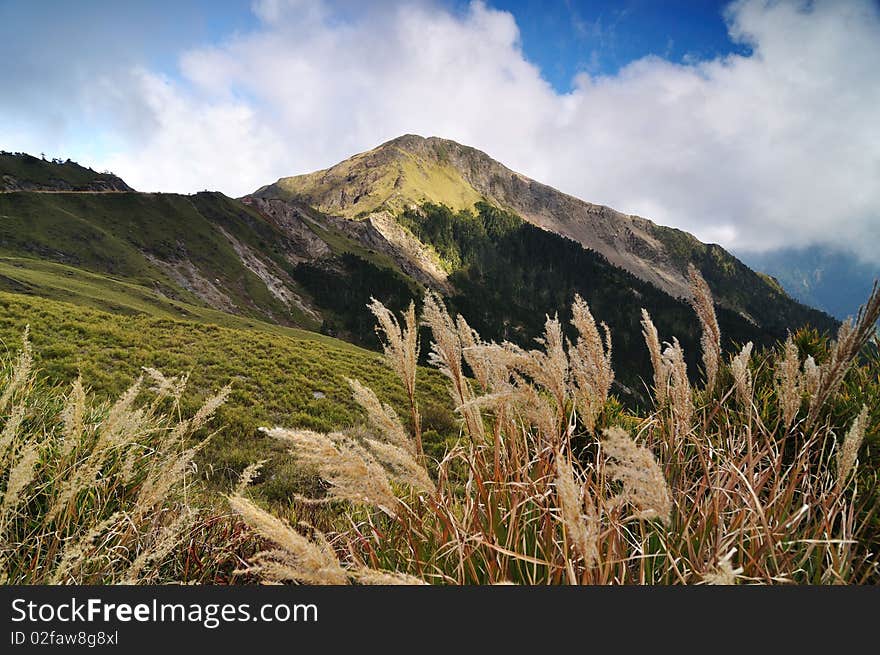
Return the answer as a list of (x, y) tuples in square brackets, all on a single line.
[(26, 170), (192, 257), (278, 376), (171, 243)]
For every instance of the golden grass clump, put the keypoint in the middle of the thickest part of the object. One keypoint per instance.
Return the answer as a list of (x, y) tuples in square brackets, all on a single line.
[(849, 450), (297, 558), (94, 493), (852, 337), (578, 511), (352, 472), (788, 382), (552, 482), (715, 489), (742, 375), (661, 374), (678, 388), (447, 353), (382, 417)]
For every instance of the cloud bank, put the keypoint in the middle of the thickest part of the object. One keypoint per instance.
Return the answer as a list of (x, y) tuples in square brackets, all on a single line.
[(780, 147)]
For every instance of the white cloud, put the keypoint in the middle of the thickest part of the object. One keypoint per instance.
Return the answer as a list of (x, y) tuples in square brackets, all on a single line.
[(779, 147)]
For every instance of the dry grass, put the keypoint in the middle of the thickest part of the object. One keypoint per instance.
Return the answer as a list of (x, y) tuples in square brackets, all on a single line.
[(754, 477), (745, 480), (99, 494)]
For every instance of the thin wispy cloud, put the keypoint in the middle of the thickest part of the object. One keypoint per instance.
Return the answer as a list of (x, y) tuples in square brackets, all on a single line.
[(780, 146)]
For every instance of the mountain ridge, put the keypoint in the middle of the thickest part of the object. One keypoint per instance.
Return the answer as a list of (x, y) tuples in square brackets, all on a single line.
[(411, 170), (23, 172), (314, 255)]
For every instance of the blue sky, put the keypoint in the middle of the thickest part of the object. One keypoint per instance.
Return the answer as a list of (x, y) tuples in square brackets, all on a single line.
[(602, 36), (752, 123)]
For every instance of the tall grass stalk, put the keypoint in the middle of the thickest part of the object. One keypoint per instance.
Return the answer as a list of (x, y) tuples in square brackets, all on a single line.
[(746, 480), (94, 493)]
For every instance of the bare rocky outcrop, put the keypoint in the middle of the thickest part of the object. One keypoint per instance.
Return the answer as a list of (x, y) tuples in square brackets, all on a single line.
[(276, 280), (185, 274), (378, 232), (304, 245), (381, 232)]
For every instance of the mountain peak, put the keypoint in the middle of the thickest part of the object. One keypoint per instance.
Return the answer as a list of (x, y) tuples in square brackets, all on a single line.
[(412, 170)]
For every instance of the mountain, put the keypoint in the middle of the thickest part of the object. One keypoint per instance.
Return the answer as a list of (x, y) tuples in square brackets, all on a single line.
[(833, 280), (373, 189), (414, 213), (22, 172), (411, 171)]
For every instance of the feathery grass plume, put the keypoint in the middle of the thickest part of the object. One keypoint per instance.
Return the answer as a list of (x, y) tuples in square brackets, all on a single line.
[(73, 416), (549, 368), (353, 473), (487, 370), (298, 558), (367, 576), (811, 377), (248, 475), (401, 465), (21, 370), (849, 450), (678, 388), (661, 373), (742, 376), (382, 417), (852, 337), (581, 527), (723, 573), (590, 363), (401, 346), (122, 424), (540, 413), (69, 512), (704, 306), (166, 471), (206, 411), (644, 485), (11, 427), (166, 387), (788, 382), (162, 541), (20, 476), (446, 355), (163, 475)]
